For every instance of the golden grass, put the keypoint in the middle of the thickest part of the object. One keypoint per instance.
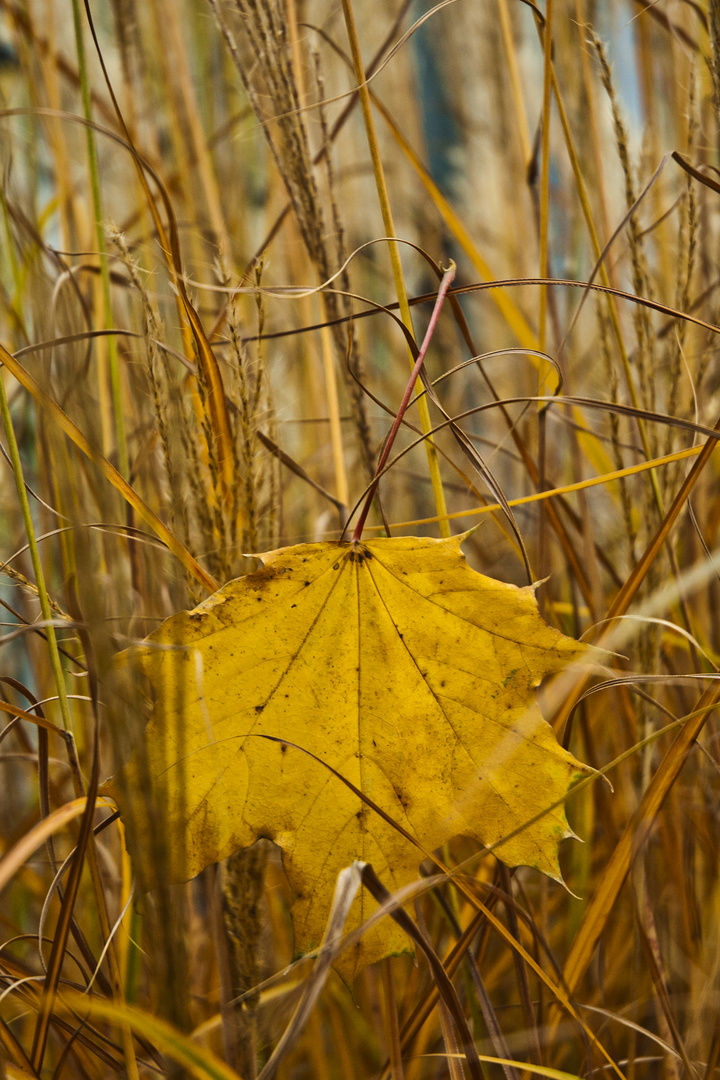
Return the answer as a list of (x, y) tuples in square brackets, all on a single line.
[(203, 322)]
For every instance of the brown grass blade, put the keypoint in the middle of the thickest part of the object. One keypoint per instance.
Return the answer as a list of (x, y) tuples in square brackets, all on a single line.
[(632, 839)]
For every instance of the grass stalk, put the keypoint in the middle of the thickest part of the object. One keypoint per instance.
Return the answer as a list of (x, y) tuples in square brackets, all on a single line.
[(29, 527), (331, 389), (388, 225), (515, 81), (94, 174), (545, 169)]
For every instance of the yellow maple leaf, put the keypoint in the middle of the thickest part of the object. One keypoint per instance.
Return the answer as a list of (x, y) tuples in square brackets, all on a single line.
[(395, 664)]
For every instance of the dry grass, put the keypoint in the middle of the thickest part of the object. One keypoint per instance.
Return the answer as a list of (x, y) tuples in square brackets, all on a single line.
[(216, 402)]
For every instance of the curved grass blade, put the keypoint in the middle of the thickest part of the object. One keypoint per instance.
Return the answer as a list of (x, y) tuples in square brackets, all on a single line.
[(109, 471)]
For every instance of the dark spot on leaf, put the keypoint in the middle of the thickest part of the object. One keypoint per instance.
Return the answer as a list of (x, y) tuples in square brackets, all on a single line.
[(374, 743), (361, 559), (259, 708), (293, 605), (261, 577), (442, 683), (306, 583), (283, 748), (336, 566)]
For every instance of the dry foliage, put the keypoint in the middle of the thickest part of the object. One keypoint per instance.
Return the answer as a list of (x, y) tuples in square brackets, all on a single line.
[(205, 334)]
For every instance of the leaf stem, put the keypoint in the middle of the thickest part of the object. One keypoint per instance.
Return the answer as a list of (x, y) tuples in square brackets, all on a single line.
[(447, 280)]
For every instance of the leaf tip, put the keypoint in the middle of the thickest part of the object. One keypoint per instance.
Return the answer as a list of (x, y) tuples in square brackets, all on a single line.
[(460, 538)]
